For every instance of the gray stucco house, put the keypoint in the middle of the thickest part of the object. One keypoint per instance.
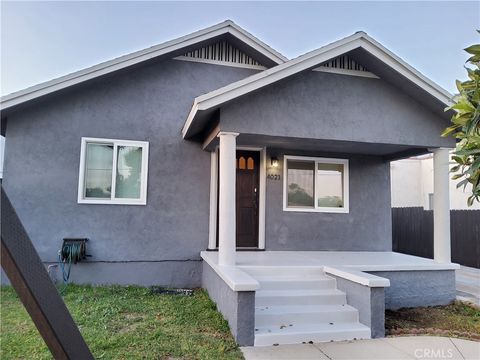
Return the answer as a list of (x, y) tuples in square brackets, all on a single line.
[(174, 158)]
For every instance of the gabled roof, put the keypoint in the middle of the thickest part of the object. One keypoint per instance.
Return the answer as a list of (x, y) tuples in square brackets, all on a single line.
[(224, 28), (213, 100)]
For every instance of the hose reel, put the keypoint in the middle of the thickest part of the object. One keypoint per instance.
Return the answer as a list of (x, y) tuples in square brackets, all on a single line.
[(73, 250)]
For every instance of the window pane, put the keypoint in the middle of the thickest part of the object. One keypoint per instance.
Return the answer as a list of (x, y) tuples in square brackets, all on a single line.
[(330, 185), (98, 171), (129, 172), (300, 176)]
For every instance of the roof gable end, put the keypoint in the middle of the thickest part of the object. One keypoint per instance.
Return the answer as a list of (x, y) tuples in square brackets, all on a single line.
[(312, 60), (228, 27)]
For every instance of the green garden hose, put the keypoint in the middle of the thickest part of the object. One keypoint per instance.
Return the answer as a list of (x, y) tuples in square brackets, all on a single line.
[(70, 253)]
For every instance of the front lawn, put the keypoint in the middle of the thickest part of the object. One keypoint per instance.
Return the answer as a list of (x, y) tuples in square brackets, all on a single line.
[(125, 323), (458, 320)]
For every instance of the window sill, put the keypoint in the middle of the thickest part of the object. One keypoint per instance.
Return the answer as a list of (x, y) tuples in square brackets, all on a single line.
[(319, 210), (112, 202)]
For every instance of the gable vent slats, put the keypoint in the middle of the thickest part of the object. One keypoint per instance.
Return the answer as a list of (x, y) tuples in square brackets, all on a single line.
[(344, 62), (222, 51)]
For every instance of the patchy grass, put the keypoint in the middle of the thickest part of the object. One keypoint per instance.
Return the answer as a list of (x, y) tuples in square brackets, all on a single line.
[(458, 319), (125, 323)]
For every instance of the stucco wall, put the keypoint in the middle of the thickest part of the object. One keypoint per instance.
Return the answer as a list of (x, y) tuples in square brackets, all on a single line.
[(369, 301), (418, 288), (238, 307), (337, 107), (367, 226), (149, 104)]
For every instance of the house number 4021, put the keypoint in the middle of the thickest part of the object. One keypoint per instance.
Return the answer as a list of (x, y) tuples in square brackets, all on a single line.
[(273, 176)]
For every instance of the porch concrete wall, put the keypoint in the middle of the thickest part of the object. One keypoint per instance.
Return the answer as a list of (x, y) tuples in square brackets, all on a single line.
[(418, 288), (367, 226), (157, 243), (369, 301), (317, 105), (238, 307)]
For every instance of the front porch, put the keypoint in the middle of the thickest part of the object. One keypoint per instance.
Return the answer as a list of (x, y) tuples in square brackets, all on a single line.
[(275, 297), (302, 288)]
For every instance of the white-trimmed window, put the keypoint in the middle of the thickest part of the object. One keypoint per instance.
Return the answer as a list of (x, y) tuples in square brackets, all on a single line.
[(315, 184), (113, 172)]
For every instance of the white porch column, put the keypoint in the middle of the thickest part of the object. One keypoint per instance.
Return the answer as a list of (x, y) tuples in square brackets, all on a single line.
[(212, 231), (441, 206), (226, 199)]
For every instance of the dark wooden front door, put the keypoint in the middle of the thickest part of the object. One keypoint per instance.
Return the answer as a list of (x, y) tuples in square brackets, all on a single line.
[(247, 188)]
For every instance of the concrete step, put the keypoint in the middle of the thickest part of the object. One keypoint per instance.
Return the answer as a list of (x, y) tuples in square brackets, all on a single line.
[(296, 334), (295, 283), (300, 297), (298, 272), (304, 314)]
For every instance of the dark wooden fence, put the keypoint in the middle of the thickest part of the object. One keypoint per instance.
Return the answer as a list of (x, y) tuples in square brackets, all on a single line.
[(412, 229)]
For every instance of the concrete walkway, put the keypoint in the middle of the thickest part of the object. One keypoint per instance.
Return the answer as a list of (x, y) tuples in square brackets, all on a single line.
[(411, 347), (468, 284)]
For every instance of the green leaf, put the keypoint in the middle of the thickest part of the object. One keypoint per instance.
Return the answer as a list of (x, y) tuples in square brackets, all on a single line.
[(468, 152), (463, 183), (458, 159), (474, 49), (470, 200), (474, 59), (455, 168), (464, 106), (449, 130), (465, 126), (459, 85), (461, 120)]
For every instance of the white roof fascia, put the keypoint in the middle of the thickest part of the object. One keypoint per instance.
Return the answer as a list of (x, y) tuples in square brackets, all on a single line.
[(408, 71), (138, 57), (311, 59), (256, 43)]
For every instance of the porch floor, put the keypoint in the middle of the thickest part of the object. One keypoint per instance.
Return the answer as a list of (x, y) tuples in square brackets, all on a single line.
[(358, 260)]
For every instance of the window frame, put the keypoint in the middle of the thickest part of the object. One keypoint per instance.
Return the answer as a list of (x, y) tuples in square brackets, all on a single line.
[(317, 160), (81, 199)]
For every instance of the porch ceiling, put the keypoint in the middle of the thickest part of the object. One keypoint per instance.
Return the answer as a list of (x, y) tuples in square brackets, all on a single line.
[(388, 151)]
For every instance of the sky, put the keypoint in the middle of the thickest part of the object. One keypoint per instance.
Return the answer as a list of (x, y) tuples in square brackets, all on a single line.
[(44, 40)]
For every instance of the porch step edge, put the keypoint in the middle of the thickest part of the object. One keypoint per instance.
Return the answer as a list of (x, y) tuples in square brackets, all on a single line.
[(302, 309), (265, 336), (298, 293)]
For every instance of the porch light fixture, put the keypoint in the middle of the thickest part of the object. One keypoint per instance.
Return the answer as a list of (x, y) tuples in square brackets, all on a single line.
[(274, 162)]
